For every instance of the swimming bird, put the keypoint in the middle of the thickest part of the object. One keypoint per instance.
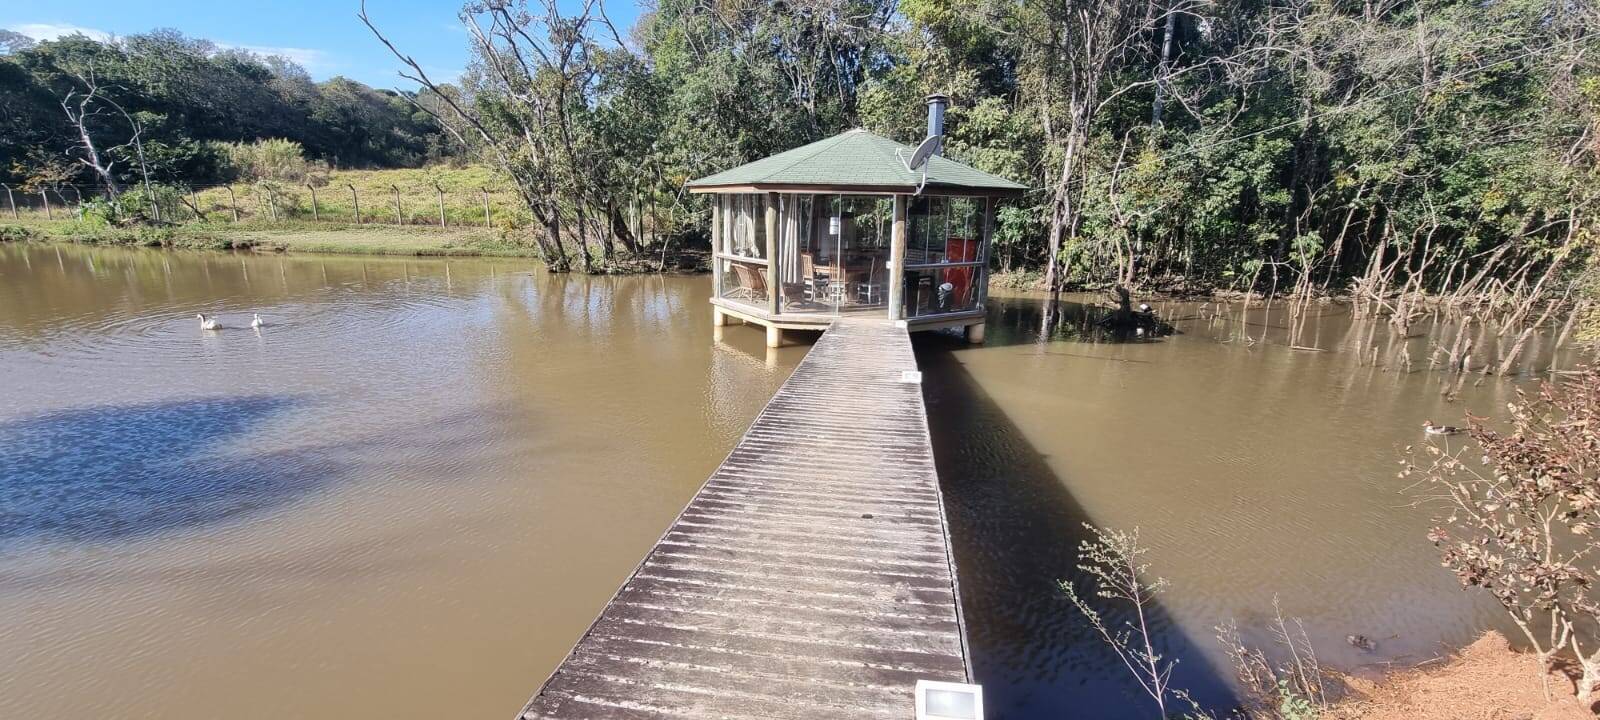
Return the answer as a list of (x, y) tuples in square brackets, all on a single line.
[(1361, 642), (1432, 429), (255, 322), (208, 323)]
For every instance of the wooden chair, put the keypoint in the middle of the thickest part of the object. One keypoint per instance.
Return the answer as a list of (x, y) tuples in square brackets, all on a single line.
[(815, 280), (869, 292), (752, 284)]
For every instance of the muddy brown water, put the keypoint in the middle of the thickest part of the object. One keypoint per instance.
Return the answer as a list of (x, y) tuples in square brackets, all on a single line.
[(409, 493)]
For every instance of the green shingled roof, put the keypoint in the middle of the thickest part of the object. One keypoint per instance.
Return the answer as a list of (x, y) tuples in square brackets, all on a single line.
[(856, 158)]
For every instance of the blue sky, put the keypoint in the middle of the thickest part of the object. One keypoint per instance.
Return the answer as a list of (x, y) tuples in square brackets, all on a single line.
[(324, 36)]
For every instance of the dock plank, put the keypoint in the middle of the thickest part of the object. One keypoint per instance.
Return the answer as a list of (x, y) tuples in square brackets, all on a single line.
[(809, 577)]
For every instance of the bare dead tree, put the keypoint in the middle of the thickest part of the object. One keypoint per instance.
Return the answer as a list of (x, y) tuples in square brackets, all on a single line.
[(510, 138), (80, 107)]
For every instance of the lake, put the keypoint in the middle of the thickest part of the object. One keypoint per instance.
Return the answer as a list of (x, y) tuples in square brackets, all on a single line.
[(409, 493)]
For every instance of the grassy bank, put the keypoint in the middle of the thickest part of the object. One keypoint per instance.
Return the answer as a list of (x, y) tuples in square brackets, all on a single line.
[(465, 190), (324, 237)]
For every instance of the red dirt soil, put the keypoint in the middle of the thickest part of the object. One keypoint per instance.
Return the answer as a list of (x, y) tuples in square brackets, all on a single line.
[(1486, 681)]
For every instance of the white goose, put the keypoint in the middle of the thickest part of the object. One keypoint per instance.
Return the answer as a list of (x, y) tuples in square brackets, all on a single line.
[(255, 321), (208, 323)]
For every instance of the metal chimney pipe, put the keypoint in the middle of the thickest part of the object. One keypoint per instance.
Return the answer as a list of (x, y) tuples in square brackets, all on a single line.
[(936, 105)]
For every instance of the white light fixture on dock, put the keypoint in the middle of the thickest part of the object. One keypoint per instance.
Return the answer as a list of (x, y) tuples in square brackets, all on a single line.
[(949, 701)]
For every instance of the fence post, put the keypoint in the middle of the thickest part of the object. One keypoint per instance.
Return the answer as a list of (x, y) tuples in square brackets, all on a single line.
[(441, 202), (272, 203), (11, 201), (315, 214), (485, 192), (78, 207), (397, 216), (46, 198), (355, 201), (194, 204), (233, 202)]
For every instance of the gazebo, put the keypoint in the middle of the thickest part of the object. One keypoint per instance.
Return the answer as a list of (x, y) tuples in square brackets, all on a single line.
[(853, 226)]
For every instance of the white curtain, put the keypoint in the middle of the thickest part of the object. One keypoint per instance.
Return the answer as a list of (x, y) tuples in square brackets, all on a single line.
[(789, 209), (745, 215)]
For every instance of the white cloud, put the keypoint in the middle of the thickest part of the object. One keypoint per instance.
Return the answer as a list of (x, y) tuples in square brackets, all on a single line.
[(311, 59), (55, 31)]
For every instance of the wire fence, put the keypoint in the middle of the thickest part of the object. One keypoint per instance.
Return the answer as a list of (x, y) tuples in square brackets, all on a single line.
[(413, 205)]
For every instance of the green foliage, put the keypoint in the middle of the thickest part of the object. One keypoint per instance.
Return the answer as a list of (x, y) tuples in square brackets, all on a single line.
[(270, 159), (1292, 706), (189, 95), (138, 206), (16, 233)]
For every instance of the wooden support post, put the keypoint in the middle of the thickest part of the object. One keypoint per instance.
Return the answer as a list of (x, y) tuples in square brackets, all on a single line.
[(46, 199), (774, 336), (355, 201), (774, 291), (718, 317), (485, 192), (316, 214), (981, 277), (272, 203), (233, 202), (11, 201), (897, 261), (397, 216), (441, 202), (716, 247)]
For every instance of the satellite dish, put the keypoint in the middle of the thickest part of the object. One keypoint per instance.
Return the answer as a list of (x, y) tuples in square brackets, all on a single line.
[(923, 152)]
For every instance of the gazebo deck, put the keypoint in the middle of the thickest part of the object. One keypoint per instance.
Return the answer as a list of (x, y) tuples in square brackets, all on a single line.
[(810, 577), (821, 319)]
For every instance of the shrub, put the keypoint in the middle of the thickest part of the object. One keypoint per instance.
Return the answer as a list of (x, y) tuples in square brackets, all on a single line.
[(271, 159), (1521, 510), (1112, 562), (136, 206), (16, 233)]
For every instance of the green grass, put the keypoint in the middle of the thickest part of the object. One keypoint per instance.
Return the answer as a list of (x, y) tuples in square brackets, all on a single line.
[(294, 236), (419, 201), (335, 228)]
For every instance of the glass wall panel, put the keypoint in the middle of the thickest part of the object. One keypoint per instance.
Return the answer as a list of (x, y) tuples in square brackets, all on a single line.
[(943, 229), (833, 252), (944, 255), (744, 282), (746, 228), (936, 290)]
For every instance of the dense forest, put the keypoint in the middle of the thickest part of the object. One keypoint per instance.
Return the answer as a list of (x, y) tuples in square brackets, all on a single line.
[(1376, 147), (82, 113)]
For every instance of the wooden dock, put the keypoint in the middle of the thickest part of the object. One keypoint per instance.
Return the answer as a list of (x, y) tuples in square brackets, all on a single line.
[(810, 577)]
